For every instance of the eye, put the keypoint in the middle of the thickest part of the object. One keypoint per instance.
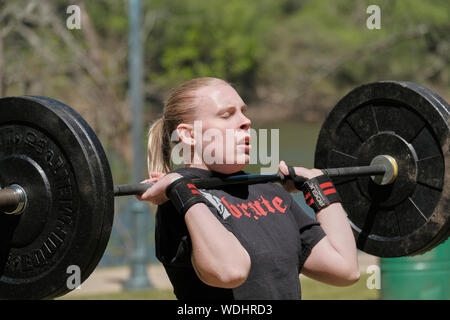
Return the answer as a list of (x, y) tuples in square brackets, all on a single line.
[(227, 113)]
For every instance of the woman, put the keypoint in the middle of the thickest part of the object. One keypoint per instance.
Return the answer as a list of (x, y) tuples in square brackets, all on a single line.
[(237, 242)]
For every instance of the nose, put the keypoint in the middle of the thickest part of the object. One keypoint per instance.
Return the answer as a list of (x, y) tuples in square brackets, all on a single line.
[(245, 123)]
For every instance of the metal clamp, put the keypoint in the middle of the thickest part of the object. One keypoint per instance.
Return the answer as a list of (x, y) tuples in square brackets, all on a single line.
[(391, 172), (19, 193)]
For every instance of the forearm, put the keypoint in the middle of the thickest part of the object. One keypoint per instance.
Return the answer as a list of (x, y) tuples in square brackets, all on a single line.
[(333, 220), (333, 260), (217, 255)]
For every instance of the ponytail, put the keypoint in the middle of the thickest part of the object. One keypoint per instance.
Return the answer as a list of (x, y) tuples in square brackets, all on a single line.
[(158, 159)]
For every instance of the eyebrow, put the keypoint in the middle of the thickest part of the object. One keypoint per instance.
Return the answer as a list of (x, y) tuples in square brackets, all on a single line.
[(244, 106)]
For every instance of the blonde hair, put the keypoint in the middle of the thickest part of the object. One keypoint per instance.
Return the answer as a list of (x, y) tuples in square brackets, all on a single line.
[(180, 107)]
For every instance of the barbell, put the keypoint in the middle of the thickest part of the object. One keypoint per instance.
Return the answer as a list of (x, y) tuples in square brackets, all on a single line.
[(387, 144)]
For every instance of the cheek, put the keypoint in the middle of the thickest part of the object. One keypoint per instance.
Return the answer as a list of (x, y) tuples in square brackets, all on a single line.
[(215, 133), (220, 145), (217, 140)]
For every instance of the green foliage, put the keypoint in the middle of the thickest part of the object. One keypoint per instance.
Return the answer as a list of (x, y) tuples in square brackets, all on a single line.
[(295, 57), (314, 290), (125, 295), (324, 49), (291, 54), (207, 38)]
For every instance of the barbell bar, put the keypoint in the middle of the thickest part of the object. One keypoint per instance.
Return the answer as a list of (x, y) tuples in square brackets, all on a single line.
[(386, 168), (13, 198)]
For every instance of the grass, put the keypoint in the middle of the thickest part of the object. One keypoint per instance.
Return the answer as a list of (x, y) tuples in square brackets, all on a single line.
[(311, 290), (127, 295)]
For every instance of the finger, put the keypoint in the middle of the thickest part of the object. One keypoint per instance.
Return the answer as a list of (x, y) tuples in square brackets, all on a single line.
[(147, 194), (283, 168), (317, 172), (305, 173), (170, 178), (156, 174)]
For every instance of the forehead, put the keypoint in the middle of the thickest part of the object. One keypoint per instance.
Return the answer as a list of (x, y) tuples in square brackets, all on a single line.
[(217, 96)]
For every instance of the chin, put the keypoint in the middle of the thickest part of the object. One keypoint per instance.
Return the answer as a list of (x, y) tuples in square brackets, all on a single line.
[(228, 168)]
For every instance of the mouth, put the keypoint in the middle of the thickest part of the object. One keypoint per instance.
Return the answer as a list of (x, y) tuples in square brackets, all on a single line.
[(247, 140), (245, 143)]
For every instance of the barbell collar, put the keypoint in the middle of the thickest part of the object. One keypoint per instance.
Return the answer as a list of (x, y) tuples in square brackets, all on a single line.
[(13, 200), (391, 169)]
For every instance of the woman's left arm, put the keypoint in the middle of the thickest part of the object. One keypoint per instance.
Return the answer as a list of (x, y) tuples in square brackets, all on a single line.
[(333, 259)]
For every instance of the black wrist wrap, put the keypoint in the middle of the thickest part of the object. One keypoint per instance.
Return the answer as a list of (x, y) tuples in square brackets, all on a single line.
[(184, 194), (319, 192)]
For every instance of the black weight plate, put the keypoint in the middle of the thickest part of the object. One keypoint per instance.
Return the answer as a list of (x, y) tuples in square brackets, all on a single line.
[(101, 173), (59, 161), (429, 163), (410, 123)]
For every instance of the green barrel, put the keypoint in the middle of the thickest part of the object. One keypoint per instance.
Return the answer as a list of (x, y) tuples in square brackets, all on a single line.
[(422, 277)]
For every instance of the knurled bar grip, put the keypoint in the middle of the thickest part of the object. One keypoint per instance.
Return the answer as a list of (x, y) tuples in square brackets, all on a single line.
[(355, 171)]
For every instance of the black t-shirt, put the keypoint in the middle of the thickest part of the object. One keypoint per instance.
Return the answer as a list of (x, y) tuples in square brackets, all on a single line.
[(277, 234)]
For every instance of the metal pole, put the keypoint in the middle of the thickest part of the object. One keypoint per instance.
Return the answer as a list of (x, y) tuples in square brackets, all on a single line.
[(140, 212)]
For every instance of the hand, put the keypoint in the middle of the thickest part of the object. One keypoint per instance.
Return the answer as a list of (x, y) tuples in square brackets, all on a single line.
[(157, 193), (300, 171)]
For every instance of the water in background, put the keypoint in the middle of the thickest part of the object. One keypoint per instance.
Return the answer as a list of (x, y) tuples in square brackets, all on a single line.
[(297, 146)]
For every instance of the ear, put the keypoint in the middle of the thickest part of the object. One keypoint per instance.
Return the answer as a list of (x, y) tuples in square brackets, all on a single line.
[(186, 133)]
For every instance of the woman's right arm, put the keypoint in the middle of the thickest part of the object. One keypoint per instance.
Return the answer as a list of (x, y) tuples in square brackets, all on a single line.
[(217, 256)]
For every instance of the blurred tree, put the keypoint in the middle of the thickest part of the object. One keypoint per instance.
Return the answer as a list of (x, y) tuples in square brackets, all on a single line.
[(84, 68), (323, 50), (295, 57), (206, 38)]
